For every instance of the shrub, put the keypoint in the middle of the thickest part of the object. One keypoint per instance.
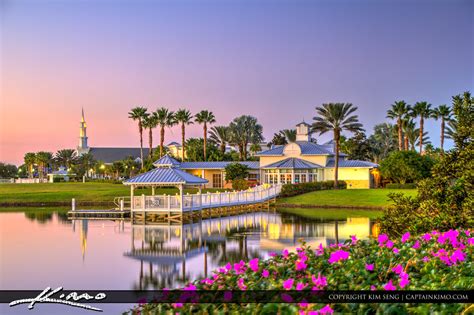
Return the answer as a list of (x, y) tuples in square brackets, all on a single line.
[(439, 261), (240, 184), (401, 186), (406, 167), (289, 190), (236, 171)]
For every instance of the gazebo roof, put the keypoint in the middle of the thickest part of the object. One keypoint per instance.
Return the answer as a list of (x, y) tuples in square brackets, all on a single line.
[(166, 176), (293, 163), (166, 161)]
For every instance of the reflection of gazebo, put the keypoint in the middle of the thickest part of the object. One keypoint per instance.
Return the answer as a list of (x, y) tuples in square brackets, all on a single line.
[(166, 173)]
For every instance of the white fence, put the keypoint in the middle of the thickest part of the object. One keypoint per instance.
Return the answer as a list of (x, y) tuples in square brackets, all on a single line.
[(208, 200), (22, 181)]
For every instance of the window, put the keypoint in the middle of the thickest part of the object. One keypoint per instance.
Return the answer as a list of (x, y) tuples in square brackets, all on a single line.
[(216, 180)]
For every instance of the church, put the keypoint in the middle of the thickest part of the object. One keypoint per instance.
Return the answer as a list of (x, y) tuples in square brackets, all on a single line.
[(296, 162)]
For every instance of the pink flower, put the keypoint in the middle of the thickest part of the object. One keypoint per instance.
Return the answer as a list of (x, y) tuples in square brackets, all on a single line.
[(300, 265), (253, 264), (396, 250), (457, 255), (320, 281), (404, 280), (320, 250), (353, 239), (313, 313), (285, 253), (272, 254), (265, 273), (369, 267), (288, 284), (241, 285), (426, 259), (426, 237), (389, 244), (382, 238), (389, 286), (303, 304), (398, 269), (177, 305), (416, 245), (338, 255), (190, 287), (373, 287), (228, 266), (470, 241), (300, 286), (326, 310), (405, 237), (467, 232)]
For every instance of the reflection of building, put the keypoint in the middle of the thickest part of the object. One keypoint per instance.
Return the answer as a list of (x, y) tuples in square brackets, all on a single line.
[(83, 237)]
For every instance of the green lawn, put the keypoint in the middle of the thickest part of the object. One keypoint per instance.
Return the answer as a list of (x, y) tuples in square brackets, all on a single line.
[(346, 197), (335, 214), (64, 192)]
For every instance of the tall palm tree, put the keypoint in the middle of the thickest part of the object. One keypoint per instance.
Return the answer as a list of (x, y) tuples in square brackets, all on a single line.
[(290, 134), (139, 114), (442, 112), (422, 110), (398, 111), (87, 163), (244, 130), (43, 159), (30, 160), (150, 122), (220, 135), (336, 117), (408, 128), (451, 129), (204, 118), (165, 118), (66, 157), (184, 117)]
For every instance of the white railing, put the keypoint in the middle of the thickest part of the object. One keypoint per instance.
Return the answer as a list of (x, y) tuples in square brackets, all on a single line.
[(208, 200)]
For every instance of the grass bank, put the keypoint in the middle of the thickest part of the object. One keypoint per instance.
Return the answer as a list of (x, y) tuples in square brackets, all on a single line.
[(60, 194), (334, 214), (348, 198)]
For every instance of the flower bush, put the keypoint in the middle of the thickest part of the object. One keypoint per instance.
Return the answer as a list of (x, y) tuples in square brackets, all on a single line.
[(431, 261)]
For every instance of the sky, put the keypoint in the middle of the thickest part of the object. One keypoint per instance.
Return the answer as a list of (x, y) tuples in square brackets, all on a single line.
[(273, 59)]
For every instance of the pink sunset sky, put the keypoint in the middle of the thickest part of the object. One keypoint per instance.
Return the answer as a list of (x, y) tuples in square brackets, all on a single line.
[(275, 60)]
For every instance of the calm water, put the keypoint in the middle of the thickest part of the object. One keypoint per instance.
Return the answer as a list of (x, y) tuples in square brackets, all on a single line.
[(40, 249)]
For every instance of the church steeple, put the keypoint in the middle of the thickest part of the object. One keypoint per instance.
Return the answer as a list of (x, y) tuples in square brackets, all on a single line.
[(83, 147)]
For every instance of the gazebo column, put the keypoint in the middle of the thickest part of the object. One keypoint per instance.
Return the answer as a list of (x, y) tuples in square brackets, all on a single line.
[(181, 196), (132, 188), (152, 190)]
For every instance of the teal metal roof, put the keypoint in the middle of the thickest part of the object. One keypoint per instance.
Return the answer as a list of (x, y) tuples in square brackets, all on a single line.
[(293, 163), (166, 176), (166, 161), (217, 165), (307, 148), (351, 163)]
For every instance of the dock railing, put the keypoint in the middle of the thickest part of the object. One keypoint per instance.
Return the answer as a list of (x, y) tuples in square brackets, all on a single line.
[(207, 200)]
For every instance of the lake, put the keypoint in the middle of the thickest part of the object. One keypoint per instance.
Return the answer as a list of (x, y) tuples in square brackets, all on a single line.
[(44, 248)]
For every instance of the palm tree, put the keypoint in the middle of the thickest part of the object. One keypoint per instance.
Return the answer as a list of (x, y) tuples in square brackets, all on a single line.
[(336, 117), (422, 110), (43, 159), (139, 114), (66, 157), (451, 129), (165, 119), (244, 130), (150, 122), (205, 117), (87, 163), (290, 134), (442, 112), (220, 135), (408, 129), (398, 111), (278, 139), (30, 160), (184, 117)]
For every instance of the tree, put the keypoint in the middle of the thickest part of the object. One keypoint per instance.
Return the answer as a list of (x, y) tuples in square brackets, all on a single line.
[(398, 111), (43, 159), (30, 160), (66, 157), (150, 122), (289, 134), (451, 129), (382, 142), (235, 171), (85, 163), (406, 167), (357, 147), (255, 148), (130, 166), (220, 135), (336, 117), (279, 139), (424, 111), (8, 170), (244, 130), (117, 168), (165, 119), (184, 117), (139, 114), (204, 118), (443, 113), (195, 150)]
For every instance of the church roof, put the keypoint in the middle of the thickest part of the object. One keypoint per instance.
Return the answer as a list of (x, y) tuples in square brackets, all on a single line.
[(293, 163), (110, 155), (166, 176)]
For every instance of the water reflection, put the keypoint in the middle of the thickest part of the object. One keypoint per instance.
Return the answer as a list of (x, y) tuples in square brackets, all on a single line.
[(171, 256)]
